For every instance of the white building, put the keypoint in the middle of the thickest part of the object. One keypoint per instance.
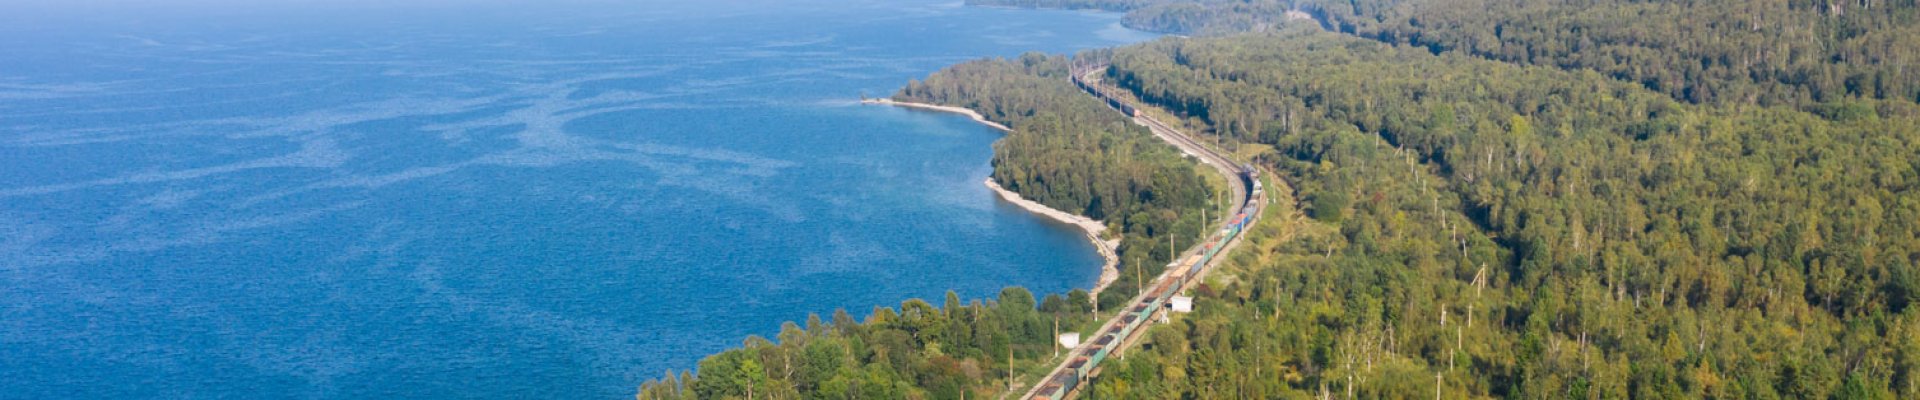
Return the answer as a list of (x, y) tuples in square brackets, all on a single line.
[(1182, 304)]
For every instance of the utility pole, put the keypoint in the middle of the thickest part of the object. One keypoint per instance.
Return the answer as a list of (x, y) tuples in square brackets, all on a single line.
[(1139, 279)]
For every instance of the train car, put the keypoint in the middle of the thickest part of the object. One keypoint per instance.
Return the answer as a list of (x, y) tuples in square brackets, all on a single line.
[(1093, 360), (1214, 248), (1155, 299), (1133, 323), (1124, 107), (1193, 273), (1050, 392), (1080, 366), (1132, 320), (1102, 93), (1058, 387), (1129, 321), (1179, 268), (1102, 348)]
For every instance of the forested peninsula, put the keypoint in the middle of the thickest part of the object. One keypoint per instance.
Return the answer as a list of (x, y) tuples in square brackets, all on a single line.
[(1499, 198)]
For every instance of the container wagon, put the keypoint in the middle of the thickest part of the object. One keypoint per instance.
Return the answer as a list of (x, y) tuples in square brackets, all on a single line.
[(1058, 388)]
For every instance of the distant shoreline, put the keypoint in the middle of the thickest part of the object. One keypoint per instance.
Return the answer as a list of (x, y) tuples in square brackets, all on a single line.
[(1109, 271)]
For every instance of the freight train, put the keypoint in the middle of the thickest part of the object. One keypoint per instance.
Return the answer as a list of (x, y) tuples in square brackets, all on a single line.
[(1110, 337), (1101, 93), (1089, 357)]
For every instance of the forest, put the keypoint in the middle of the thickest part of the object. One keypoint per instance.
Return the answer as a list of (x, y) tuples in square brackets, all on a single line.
[(917, 350), (1753, 52), (1772, 52), (1528, 231), (1500, 198)]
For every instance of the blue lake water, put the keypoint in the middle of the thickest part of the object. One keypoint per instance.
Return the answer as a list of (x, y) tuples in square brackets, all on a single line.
[(457, 199)]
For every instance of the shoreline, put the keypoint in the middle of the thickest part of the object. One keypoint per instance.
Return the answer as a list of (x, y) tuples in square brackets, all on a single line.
[(934, 107), (1109, 271)]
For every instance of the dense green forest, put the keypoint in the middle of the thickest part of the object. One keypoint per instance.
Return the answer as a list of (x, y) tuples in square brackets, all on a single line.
[(1609, 241), (1779, 52), (915, 351), (1755, 52), (1067, 151), (1501, 198)]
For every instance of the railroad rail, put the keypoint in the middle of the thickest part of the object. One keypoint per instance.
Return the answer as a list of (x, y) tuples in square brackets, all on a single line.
[(1118, 332)]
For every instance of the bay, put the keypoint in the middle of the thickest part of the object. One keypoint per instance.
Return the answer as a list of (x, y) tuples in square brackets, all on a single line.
[(441, 199)]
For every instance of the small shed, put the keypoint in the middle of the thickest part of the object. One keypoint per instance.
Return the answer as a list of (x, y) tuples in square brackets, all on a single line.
[(1182, 304), (1070, 340)]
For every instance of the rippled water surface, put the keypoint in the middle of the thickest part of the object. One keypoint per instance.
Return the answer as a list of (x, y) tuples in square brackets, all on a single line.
[(441, 199)]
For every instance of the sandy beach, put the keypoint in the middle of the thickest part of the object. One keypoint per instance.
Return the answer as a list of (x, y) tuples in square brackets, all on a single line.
[(1108, 272), (956, 110)]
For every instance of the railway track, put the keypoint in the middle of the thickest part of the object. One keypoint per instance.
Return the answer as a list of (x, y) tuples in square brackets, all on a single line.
[(1119, 332)]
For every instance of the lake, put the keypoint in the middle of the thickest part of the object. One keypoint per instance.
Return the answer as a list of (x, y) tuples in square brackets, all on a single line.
[(460, 199)]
